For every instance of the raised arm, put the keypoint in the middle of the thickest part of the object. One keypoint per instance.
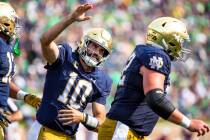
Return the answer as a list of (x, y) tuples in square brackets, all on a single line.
[(49, 48)]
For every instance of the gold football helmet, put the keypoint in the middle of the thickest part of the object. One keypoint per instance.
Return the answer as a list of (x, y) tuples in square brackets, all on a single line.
[(170, 34), (8, 20), (99, 36)]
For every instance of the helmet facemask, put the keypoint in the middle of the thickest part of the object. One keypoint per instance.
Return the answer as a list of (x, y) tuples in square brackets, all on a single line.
[(101, 38), (176, 47), (90, 57)]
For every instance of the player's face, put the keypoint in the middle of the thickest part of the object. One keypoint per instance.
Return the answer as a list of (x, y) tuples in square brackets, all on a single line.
[(95, 51)]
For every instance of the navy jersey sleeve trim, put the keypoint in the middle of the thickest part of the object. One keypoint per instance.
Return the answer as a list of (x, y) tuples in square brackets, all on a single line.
[(51, 66)]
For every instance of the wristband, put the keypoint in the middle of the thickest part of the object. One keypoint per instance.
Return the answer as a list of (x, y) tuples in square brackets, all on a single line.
[(91, 121), (21, 94), (185, 122)]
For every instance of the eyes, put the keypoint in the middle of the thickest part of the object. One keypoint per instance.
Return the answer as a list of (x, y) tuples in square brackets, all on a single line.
[(96, 48), (6, 24)]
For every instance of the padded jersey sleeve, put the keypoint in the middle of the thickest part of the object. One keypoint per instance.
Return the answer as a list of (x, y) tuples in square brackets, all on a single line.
[(156, 61), (104, 90), (65, 54)]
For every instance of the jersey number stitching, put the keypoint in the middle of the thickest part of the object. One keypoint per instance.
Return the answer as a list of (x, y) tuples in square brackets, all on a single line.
[(82, 88), (130, 60)]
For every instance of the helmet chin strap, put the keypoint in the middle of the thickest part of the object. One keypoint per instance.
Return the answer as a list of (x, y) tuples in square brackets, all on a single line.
[(85, 66), (165, 44)]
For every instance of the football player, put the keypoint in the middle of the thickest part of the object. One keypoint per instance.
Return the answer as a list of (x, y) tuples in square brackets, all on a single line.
[(141, 94), (8, 24), (73, 79)]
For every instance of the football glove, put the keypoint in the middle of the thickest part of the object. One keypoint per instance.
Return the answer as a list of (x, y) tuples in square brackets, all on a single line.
[(32, 100), (4, 121)]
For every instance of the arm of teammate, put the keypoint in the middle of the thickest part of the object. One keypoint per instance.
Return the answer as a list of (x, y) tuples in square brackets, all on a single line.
[(17, 93), (49, 48), (153, 88)]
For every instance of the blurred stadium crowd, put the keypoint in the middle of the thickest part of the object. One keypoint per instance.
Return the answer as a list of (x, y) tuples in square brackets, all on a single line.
[(127, 20)]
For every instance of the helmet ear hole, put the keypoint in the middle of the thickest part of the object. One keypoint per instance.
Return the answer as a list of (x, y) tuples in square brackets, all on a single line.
[(164, 24), (169, 51), (6, 24), (172, 44), (106, 53)]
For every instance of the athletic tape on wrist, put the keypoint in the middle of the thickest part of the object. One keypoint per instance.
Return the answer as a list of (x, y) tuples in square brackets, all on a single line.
[(91, 121), (185, 122), (21, 94)]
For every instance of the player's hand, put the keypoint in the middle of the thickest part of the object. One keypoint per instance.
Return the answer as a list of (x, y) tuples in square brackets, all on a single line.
[(69, 116), (79, 13), (32, 100), (4, 121), (198, 126)]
